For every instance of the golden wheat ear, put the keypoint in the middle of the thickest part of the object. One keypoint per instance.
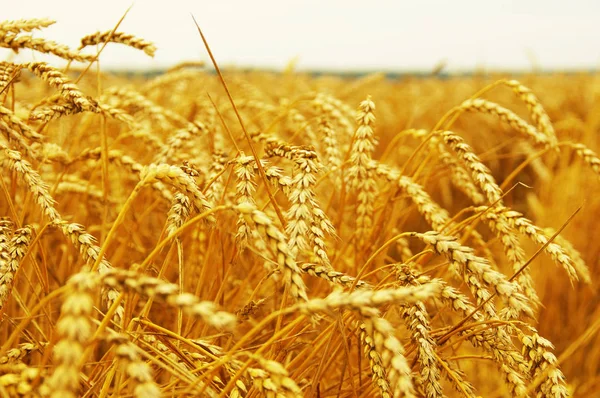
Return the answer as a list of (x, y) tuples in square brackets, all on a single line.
[(118, 37)]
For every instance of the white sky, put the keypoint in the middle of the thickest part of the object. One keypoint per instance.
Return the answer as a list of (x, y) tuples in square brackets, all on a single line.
[(347, 35)]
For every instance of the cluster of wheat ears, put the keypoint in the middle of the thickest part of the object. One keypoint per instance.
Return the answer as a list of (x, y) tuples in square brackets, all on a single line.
[(288, 235)]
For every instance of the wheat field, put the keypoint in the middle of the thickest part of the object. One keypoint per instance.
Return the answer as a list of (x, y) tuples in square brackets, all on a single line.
[(256, 234)]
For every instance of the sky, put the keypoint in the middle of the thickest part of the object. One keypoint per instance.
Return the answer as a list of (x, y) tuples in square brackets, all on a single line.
[(374, 35)]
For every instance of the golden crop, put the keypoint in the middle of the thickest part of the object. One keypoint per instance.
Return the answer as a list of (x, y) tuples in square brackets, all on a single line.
[(319, 236)]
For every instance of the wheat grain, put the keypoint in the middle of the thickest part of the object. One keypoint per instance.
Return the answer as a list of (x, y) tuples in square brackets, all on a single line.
[(34, 183), (392, 356), (476, 271), (480, 173), (460, 177), (6, 227), (277, 242), (245, 189), (217, 166), (417, 321), (19, 380), (363, 300), (169, 293), (181, 136), (589, 157), (507, 116), (16, 42), (513, 250), (378, 373), (178, 213), (436, 216), (576, 259), (15, 355), (137, 370), (510, 362), (127, 162), (75, 331), (86, 244), (537, 351), (57, 79), (361, 173), (536, 110), (128, 98), (326, 103), (332, 276), (536, 234), (10, 123), (9, 267), (457, 378), (273, 379), (8, 72), (54, 111), (25, 25), (176, 177), (332, 152), (118, 37)]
